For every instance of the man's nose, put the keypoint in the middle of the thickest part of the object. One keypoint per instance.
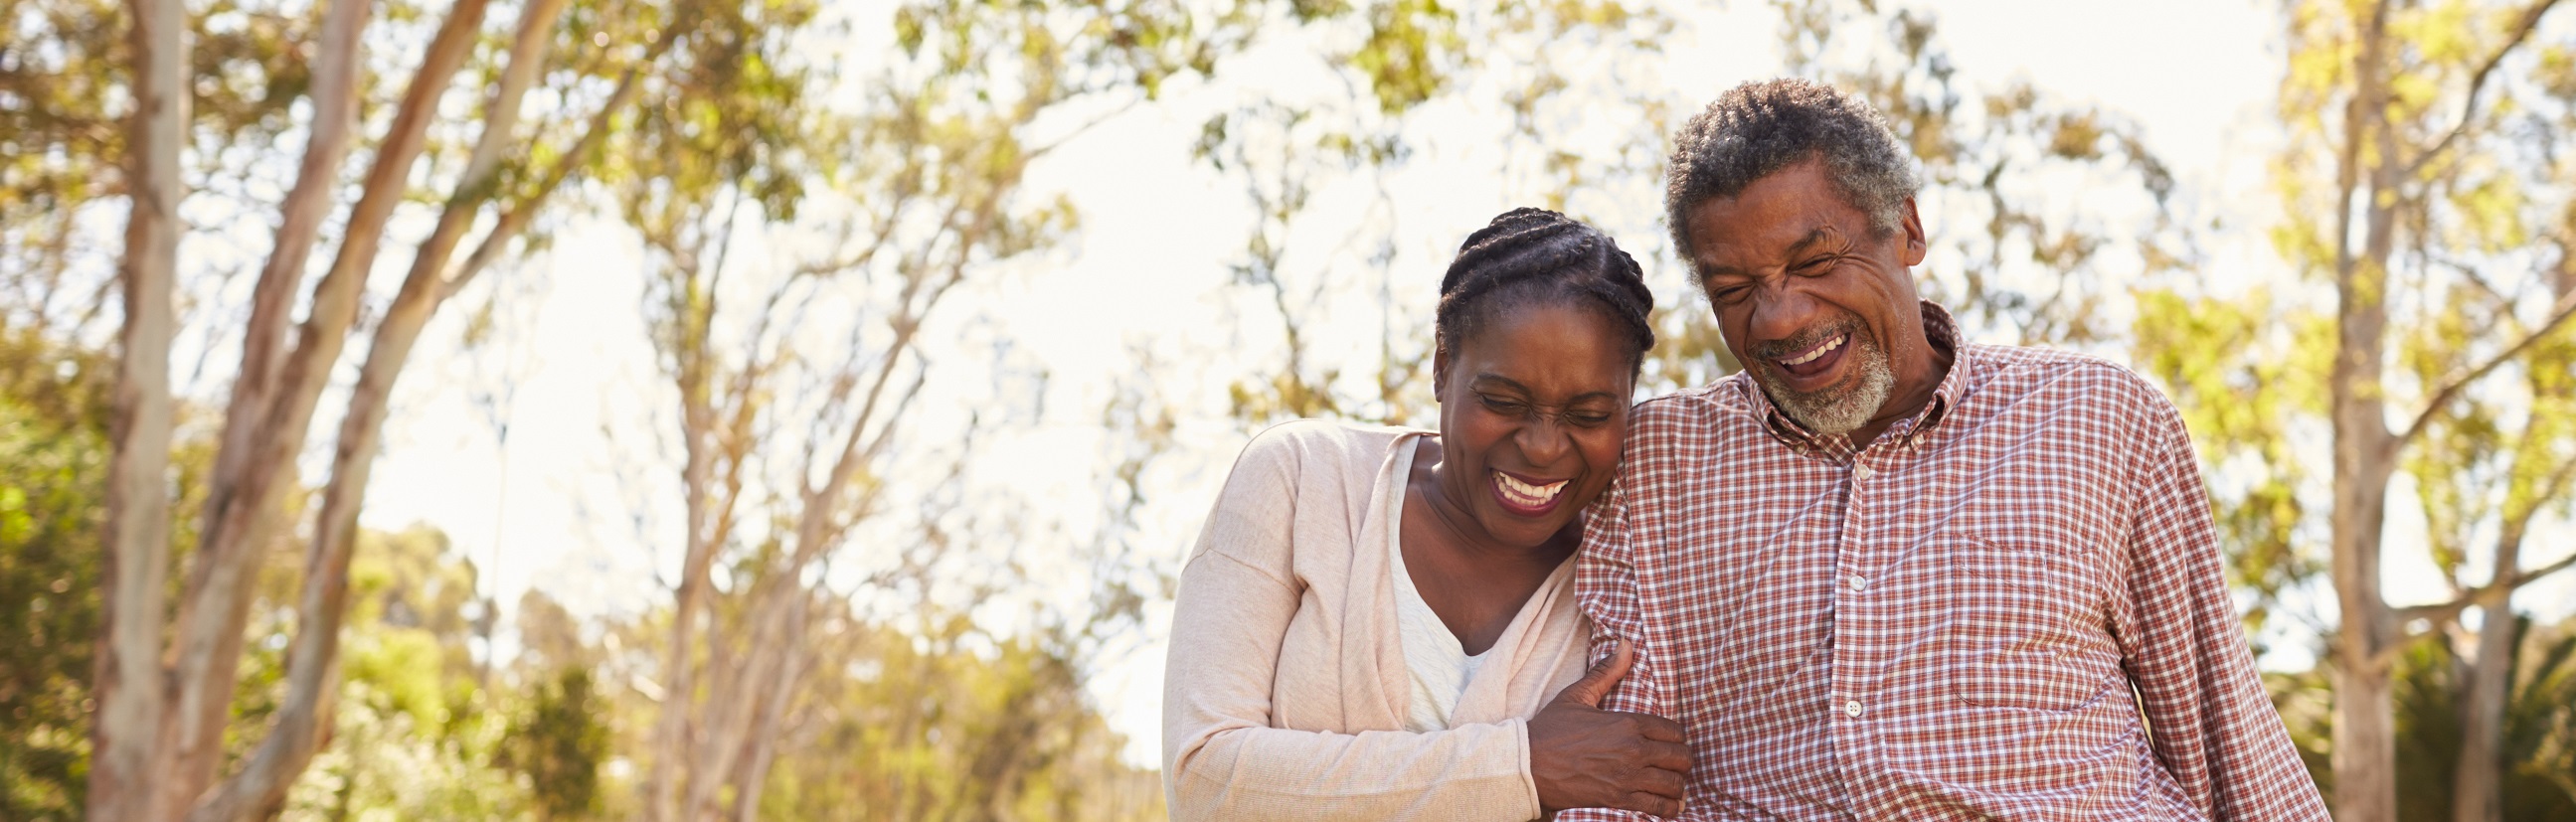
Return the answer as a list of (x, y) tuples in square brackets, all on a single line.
[(1781, 309)]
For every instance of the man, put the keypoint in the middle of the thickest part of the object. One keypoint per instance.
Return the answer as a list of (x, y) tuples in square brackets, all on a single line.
[(1886, 574)]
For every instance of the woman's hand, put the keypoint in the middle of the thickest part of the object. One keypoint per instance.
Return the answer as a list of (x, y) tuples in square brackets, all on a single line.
[(1585, 757)]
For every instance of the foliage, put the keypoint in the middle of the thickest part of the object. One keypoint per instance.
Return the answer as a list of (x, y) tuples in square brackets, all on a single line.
[(53, 453), (417, 735), (2540, 725), (2241, 374), (558, 744), (2014, 255), (953, 726), (1303, 160)]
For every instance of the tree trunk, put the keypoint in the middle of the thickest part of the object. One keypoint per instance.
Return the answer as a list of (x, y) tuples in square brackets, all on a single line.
[(216, 602), (313, 661), (2365, 751), (670, 731), (2477, 794), (127, 681)]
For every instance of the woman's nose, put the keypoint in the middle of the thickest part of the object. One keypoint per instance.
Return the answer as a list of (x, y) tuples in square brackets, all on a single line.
[(1544, 440)]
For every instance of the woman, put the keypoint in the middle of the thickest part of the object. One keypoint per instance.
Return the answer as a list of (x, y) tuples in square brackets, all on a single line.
[(1379, 623)]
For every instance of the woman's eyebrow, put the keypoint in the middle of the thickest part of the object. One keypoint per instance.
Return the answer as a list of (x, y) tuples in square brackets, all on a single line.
[(1506, 382), (1484, 378)]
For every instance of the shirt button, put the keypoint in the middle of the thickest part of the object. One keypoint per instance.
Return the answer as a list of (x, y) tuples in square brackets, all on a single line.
[(1853, 708), (1859, 583), (1918, 440), (1860, 471)]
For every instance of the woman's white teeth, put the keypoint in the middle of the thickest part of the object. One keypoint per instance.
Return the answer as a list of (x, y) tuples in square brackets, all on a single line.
[(1526, 494), (1821, 350)]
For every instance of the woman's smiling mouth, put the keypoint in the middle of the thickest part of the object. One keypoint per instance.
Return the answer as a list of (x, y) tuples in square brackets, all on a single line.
[(1527, 498)]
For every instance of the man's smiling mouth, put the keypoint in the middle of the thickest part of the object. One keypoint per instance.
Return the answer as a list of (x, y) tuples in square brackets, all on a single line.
[(1815, 359), (1818, 351)]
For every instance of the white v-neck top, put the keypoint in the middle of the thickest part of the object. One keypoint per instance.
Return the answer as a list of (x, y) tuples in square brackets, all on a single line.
[(1438, 666)]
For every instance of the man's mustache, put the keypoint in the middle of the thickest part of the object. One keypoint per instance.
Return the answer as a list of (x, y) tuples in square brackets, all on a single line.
[(1808, 338)]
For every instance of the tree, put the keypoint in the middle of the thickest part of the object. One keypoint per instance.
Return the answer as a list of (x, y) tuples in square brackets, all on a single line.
[(159, 732), (792, 381), (2417, 186), (1303, 163), (2433, 686), (559, 745)]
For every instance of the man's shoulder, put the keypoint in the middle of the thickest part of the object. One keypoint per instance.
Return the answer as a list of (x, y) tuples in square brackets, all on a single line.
[(1691, 406), (2011, 373)]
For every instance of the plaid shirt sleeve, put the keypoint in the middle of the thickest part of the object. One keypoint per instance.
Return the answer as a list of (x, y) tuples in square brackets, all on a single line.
[(2211, 721), (1606, 582)]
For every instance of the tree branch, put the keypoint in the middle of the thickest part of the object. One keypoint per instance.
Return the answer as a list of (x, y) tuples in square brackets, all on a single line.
[(215, 601), (2450, 609), (2477, 83), (2558, 316)]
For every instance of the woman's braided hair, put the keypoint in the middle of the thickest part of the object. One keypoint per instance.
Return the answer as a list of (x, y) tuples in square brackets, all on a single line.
[(1531, 255)]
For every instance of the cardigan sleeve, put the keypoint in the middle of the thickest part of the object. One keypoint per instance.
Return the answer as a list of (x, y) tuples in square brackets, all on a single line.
[(1238, 595)]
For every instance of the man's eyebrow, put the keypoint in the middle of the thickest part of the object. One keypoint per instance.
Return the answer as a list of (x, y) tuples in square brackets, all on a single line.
[(1820, 236)]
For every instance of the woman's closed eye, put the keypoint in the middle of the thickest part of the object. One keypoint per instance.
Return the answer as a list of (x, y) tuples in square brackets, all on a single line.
[(1586, 417)]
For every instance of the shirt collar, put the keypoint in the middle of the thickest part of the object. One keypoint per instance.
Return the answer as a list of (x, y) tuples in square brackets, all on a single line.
[(1943, 332)]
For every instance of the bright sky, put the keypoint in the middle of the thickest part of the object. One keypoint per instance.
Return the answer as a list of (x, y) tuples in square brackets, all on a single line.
[(1149, 269)]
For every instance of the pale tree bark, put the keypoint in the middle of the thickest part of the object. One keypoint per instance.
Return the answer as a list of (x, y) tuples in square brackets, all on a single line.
[(313, 659), (726, 740), (694, 307), (2477, 780), (242, 512), (2365, 757), (2374, 173), (774, 708), (2477, 794), (127, 680)]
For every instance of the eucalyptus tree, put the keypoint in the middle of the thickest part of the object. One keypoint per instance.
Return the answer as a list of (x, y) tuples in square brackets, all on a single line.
[(165, 684), (2420, 195), (804, 231)]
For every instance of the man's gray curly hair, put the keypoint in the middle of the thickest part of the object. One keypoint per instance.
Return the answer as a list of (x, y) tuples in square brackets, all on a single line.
[(1759, 128)]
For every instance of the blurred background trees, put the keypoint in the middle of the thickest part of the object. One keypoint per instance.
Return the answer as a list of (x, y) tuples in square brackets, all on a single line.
[(856, 604)]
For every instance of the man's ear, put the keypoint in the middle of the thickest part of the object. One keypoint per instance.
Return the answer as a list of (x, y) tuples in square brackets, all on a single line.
[(1915, 247), (1439, 372)]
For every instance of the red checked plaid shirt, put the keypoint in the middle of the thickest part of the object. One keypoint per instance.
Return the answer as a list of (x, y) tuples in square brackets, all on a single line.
[(1948, 623)]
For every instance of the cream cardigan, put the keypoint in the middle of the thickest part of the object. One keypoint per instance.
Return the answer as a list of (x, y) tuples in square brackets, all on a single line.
[(1286, 693)]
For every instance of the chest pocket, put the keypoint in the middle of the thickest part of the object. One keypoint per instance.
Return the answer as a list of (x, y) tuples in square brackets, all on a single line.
[(2025, 628)]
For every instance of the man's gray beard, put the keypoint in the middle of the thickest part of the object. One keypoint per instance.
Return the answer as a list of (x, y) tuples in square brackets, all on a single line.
[(1843, 408)]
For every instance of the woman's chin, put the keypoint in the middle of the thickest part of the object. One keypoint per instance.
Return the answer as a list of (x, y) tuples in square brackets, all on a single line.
[(1517, 530)]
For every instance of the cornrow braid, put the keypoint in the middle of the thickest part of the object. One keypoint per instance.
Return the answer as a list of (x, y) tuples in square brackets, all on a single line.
[(1531, 255)]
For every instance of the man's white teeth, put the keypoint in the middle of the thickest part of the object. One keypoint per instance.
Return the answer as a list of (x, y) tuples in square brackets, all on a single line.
[(1523, 493), (1820, 351)]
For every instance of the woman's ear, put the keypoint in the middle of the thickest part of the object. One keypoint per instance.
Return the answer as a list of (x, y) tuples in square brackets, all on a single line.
[(1439, 372)]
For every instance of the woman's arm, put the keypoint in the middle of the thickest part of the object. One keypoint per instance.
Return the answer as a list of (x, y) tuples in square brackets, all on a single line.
[(1222, 758)]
